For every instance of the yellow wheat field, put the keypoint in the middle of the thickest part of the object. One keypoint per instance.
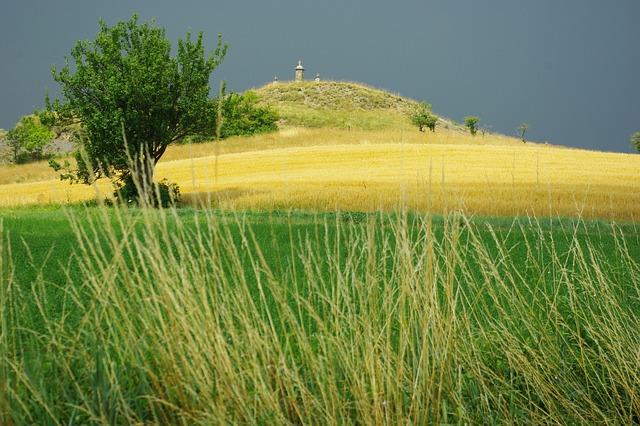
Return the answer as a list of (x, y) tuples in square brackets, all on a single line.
[(363, 173)]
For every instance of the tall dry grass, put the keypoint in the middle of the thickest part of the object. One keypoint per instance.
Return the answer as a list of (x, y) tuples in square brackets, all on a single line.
[(287, 137), (387, 321), (368, 171)]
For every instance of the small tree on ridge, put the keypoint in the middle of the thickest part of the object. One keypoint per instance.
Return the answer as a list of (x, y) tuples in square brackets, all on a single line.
[(423, 117), (472, 124)]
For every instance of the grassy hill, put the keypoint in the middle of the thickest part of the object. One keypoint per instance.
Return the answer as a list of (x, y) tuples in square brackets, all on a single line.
[(342, 105), (334, 95)]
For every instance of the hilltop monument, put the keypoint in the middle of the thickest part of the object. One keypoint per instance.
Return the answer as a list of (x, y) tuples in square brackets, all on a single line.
[(299, 72)]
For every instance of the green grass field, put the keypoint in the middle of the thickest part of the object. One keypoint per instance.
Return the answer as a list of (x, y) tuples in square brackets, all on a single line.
[(269, 315), (42, 241), (201, 316)]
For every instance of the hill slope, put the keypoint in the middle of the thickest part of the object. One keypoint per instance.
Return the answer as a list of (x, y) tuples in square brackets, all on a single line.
[(334, 95), (342, 105), (479, 179)]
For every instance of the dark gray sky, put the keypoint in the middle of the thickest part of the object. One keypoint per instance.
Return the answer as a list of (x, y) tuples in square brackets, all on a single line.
[(569, 68)]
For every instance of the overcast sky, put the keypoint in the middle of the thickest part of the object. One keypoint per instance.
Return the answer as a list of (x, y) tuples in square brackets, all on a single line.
[(569, 68)]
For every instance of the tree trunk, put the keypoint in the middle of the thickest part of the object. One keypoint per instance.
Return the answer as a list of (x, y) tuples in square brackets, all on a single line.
[(143, 180)]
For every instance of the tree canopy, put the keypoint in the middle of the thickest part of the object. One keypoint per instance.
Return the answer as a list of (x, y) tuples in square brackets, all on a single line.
[(472, 124), (133, 98), (424, 118), (29, 136)]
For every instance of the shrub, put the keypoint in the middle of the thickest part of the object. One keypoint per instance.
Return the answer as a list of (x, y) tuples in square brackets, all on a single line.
[(472, 124), (422, 117), (28, 139), (243, 116)]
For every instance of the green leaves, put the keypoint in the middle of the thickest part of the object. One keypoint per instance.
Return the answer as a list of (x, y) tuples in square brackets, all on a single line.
[(472, 124), (127, 78), (29, 136), (422, 117), (243, 116)]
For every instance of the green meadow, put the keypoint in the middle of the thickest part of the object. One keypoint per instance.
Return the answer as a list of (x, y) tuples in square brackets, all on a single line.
[(120, 316), (319, 252)]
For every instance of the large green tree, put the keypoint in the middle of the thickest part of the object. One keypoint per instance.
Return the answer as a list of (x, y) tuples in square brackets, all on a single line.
[(133, 98)]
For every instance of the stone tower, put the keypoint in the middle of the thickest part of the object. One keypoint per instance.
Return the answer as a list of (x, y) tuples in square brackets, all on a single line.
[(299, 72)]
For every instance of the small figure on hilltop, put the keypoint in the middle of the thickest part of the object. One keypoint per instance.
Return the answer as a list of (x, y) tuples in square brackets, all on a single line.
[(299, 72), (317, 79), (275, 79)]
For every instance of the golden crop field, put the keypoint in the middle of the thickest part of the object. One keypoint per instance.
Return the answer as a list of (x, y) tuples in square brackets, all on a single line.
[(327, 169)]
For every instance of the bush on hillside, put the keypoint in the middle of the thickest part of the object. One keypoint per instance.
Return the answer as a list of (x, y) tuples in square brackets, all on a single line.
[(423, 118), (472, 124), (242, 116), (28, 139)]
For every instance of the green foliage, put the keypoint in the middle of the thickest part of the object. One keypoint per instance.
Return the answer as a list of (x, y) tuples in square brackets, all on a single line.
[(305, 311), (29, 138), (133, 98), (635, 140), (423, 118), (242, 115), (472, 124)]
